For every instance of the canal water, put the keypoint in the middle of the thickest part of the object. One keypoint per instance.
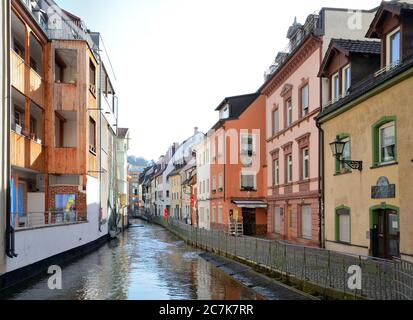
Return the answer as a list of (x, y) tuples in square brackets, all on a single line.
[(146, 263)]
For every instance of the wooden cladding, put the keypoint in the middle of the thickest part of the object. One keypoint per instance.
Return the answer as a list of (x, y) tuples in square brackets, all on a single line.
[(64, 161), (19, 69), (25, 153), (66, 96)]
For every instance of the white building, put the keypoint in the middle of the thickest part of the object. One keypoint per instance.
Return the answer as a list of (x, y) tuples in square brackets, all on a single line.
[(122, 148), (182, 153), (203, 167)]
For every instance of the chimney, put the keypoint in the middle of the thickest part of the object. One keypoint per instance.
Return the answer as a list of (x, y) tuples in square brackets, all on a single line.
[(196, 130)]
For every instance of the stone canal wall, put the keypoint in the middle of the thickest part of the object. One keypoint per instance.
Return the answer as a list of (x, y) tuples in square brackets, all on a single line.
[(316, 271)]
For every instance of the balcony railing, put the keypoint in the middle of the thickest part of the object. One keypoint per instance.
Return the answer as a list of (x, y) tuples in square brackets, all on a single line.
[(26, 153), (64, 161), (18, 78), (65, 96), (48, 219)]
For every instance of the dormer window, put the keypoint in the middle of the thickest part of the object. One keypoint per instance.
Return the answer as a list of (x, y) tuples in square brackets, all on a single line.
[(225, 112), (393, 47), (335, 87), (346, 79)]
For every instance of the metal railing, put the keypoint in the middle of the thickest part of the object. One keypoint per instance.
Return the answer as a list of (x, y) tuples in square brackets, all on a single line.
[(32, 220), (327, 271)]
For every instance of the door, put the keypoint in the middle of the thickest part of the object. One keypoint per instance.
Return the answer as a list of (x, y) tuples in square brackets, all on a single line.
[(388, 234), (289, 222), (249, 223)]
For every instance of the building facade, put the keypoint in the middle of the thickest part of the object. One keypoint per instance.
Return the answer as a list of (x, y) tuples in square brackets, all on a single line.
[(294, 95), (122, 177), (203, 168), (368, 203), (238, 173)]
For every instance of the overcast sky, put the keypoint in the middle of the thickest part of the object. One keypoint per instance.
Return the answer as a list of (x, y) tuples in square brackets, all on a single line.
[(176, 60)]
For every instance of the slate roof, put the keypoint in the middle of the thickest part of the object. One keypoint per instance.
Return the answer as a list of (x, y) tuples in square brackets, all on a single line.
[(357, 46), (367, 85), (237, 106)]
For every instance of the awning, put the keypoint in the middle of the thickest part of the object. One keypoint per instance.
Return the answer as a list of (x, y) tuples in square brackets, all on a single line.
[(252, 204)]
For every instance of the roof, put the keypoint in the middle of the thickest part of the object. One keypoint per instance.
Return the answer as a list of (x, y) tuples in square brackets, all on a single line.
[(349, 46), (122, 133), (367, 85), (395, 7), (238, 104)]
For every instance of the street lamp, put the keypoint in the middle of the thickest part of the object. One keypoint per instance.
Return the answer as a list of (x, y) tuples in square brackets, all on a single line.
[(337, 147)]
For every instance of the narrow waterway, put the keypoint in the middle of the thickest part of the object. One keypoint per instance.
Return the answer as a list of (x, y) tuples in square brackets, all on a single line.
[(146, 263)]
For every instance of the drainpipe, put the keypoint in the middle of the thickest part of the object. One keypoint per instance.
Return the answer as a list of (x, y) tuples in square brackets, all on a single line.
[(6, 93), (321, 187)]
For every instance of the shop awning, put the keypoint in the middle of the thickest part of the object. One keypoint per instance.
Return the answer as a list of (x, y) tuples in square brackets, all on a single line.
[(250, 204)]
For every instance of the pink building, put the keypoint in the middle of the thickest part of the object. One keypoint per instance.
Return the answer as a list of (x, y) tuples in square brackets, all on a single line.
[(294, 96)]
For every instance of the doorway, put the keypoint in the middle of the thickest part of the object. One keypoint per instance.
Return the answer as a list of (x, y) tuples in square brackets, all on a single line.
[(249, 222), (386, 234)]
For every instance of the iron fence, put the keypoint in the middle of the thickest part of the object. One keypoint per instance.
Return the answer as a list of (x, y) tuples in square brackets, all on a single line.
[(316, 268)]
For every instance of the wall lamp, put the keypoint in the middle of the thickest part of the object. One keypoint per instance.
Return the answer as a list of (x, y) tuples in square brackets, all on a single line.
[(337, 147)]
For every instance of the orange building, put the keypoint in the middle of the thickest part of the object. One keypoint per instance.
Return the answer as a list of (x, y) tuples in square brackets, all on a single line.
[(238, 172)]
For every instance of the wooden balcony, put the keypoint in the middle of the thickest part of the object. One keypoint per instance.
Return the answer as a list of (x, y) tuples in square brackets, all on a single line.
[(26, 153), (18, 78), (63, 161), (66, 96), (17, 67), (36, 88)]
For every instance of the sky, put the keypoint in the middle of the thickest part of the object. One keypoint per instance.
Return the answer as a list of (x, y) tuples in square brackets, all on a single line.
[(176, 60)]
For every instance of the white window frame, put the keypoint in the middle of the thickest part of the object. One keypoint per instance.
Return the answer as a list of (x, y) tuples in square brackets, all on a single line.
[(290, 112), (389, 47), (304, 235), (220, 215), (248, 173), (305, 109), (244, 151), (385, 126), (306, 158), (344, 79), (220, 181), (276, 172), (290, 164), (335, 95)]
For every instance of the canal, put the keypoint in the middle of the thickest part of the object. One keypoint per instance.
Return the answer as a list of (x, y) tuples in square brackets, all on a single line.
[(146, 263)]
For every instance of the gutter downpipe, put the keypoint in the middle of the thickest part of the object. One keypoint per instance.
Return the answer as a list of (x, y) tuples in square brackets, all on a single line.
[(321, 185), (6, 93)]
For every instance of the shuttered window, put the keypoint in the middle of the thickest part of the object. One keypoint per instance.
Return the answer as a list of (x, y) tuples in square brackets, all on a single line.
[(306, 225)]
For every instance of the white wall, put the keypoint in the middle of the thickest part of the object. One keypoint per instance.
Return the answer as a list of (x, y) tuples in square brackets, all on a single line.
[(3, 128), (203, 174), (38, 244)]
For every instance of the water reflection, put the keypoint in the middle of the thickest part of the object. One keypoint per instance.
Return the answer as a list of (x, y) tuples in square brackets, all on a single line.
[(146, 263)]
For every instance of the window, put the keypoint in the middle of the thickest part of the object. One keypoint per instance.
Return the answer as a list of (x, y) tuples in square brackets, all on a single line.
[(275, 122), (248, 182), (387, 142), (225, 112), (92, 135), (247, 145), (306, 222), (18, 118), (305, 100), (221, 182), (289, 168), (214, 214), (346, 79), (306, 164), (289, 110), (343, 233), (207, 186), (92, 73), (277, 220), (220, 217), (393, 47), (214, 184), (335, 87), (18, 48), (276, 172)]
